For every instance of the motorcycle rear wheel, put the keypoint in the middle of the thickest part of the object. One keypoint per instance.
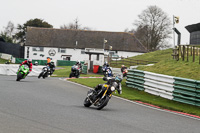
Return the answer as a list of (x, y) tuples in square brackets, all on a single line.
[(77, 76), (103, 102), (87, 102)]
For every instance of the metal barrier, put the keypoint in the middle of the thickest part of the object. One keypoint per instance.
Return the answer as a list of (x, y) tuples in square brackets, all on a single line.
[(135, 79), (173, 88), (187, 91), (158, 84)]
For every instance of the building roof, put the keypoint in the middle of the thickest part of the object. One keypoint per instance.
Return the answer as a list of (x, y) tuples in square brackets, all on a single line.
[(64, 38), (193, 27)]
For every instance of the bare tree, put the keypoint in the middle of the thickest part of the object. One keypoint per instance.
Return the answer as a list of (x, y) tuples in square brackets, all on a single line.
[(8, 33), (153, 28), (9, 29), (75, 26)]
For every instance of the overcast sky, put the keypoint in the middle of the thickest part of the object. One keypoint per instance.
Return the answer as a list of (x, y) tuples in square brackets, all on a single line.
[(101, 15)]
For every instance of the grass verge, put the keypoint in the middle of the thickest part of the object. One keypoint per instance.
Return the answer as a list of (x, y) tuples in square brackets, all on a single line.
[(136, 95), (3, 61)]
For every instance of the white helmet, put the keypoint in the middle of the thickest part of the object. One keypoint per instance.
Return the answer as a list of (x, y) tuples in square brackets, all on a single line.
[(29, 61)]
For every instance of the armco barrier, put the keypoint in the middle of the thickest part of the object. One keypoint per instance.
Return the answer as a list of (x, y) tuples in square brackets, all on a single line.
[(158, 84), (187, 91), (173, 88), (135, 79)]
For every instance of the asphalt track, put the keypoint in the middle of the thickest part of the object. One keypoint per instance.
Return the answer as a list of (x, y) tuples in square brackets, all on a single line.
[(56, 106)]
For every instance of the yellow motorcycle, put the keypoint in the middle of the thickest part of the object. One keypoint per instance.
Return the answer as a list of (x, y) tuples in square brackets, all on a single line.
[(102, 93)]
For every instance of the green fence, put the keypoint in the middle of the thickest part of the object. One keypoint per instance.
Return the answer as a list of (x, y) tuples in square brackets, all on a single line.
[(40, 62), (100, 70), (84, 69), (43, 62), (66, 63)]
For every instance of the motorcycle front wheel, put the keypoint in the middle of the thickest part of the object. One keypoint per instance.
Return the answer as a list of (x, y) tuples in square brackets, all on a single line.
[(87, 102), (70, 75), (19, 76), (45, 75), (102, 103), (40, 75)]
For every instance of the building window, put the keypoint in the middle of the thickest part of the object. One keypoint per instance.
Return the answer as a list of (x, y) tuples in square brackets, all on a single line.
[(82, 51), (112, 52), (61, 50), (41, 49)]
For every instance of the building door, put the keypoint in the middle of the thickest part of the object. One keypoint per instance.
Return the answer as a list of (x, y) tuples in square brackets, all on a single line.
[(67, 58)]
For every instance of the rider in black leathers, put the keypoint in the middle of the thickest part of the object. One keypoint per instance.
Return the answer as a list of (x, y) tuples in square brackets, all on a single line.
[(52, 67), (115, 79)]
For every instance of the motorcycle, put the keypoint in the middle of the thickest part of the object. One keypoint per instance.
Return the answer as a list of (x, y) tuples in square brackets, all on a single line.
[(75, 72), (45, 72), (101, 95), (22, 72), (52, 70), (107, 71)]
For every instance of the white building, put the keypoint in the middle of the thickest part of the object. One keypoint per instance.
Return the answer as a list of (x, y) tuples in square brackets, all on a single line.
[(81, 45)]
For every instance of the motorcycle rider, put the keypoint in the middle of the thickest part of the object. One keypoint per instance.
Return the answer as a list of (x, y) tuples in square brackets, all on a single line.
[(123, 68), (51, 66), (106, 64), (117, 80), (78, 63), (107, 68), (29, 63)]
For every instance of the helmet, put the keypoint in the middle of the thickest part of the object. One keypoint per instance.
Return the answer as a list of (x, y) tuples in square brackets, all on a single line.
[(36, 63), (106, 63), (118, 79), (29, 61), (77, 62)]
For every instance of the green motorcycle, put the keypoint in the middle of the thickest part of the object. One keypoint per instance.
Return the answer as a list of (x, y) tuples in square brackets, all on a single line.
[(22, 72)]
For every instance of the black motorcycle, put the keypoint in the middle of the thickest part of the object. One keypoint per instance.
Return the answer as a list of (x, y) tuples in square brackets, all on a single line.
[(75, 72), (107, 71), (45, 72), (100, 96), (52, 70)]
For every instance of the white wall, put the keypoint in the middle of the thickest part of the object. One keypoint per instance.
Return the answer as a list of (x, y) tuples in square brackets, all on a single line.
[(75, 55), (128, 54)]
